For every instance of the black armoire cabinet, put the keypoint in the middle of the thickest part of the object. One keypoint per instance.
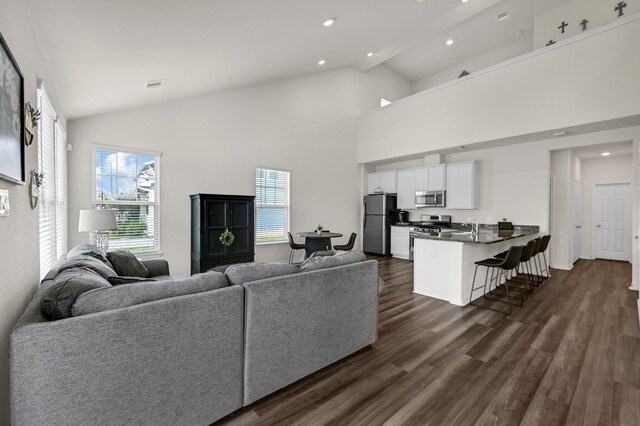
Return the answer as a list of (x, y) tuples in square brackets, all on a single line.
[(211, 214)]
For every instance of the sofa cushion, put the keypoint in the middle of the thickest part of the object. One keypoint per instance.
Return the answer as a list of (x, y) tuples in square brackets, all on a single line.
[(58, 299), (322, 262), (88, 250), (127, 264), (122, 296), (118, 280), (319, 253), (88, 262), (247, 272)]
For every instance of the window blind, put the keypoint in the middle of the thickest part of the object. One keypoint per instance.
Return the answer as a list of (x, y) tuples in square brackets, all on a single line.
[(128, 182), (51, 161), (272, 205)]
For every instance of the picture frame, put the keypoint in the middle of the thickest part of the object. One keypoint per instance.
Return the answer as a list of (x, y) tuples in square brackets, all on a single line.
[(12, 116)]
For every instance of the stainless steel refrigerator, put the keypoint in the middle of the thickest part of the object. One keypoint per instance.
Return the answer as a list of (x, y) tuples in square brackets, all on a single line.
[(377, 223)]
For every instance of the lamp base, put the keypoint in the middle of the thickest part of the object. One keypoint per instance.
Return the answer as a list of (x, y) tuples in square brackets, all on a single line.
[(100, 239)]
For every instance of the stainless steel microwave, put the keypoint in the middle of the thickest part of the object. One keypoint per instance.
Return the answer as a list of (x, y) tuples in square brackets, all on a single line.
[(430, 199)]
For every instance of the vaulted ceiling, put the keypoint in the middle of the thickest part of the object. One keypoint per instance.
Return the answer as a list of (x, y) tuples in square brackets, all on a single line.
[(101, 52)]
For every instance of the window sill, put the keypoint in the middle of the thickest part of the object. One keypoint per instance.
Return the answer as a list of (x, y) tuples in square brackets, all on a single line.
[(272, 243)]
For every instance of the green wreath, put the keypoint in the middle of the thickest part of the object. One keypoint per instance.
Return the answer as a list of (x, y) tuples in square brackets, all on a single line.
[(227, 237)]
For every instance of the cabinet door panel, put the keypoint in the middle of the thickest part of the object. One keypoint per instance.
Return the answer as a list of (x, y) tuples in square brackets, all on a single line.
[(422, 179), (373, 182), (214, 246), (461, 186), (436, 178), (388, 181), (240, 214), (215, 214), (406, 189)]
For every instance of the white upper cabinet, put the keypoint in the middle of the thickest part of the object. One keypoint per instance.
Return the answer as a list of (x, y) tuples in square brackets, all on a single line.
[(382, 182), (407, 189), (422, 179), (437, 177), (461, 185), (431, 178)]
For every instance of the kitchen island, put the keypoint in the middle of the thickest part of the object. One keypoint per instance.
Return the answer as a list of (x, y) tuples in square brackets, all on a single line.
[(444, 262)]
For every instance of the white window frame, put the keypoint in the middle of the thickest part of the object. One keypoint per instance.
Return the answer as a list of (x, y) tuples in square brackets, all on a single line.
[(95, 203), (287, 221), (52, 226)]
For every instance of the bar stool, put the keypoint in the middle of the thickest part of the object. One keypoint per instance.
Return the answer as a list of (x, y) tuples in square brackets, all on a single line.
[(544, 245), (501, 266), (535, 263)]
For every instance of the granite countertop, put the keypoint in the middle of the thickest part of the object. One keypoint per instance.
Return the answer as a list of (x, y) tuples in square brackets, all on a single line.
[(483, 237)]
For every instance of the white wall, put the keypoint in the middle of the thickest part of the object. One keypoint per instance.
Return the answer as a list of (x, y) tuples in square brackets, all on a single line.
[(519, 47), (213, 143), (595, 79), (615, 169), (19, 252)]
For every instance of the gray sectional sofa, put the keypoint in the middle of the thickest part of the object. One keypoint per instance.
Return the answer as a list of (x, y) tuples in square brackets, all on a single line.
[(135, 353)]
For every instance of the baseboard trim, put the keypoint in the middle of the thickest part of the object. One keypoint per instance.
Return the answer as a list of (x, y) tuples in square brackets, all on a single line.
[(564, 267)]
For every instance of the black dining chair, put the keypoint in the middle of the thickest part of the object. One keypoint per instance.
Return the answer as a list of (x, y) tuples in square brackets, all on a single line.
[(349, 245), (294, 246)]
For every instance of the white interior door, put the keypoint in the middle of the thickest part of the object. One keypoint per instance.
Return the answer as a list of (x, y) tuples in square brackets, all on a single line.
[(612, 219), (577, 220)]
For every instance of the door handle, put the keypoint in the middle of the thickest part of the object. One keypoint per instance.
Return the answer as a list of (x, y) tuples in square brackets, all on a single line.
[(597, 226), (578, 226)]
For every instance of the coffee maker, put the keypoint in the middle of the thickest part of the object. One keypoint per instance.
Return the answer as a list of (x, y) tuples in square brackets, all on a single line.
[(400, 217)]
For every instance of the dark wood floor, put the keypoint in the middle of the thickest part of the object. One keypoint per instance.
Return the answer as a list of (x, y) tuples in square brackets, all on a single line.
[(571, 355)]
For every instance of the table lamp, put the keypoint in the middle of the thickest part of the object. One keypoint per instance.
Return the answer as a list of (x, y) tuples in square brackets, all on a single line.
[(96, 222)]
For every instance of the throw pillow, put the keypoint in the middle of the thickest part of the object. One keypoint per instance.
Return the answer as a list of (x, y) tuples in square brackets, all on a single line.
[(127, 264), (247, 272), (58, 299), (88, 250), (128, 280), (122, 296), (88, 262), (323, 262)]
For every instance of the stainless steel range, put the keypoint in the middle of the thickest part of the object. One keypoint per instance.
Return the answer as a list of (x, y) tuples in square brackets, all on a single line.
[(428, 223)]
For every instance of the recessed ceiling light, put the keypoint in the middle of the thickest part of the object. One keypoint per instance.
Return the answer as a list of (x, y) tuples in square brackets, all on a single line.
[(464, 1), (154, 84), (322, 62), (329, 22), (605, 154), (370, 54), (449, 42)]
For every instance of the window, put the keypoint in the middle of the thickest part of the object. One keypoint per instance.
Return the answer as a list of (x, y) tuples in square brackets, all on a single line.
[(272, 206), (52, 162), (128, 182)]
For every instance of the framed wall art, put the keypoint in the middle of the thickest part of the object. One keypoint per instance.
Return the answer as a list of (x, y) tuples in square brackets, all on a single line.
[(11, 117)]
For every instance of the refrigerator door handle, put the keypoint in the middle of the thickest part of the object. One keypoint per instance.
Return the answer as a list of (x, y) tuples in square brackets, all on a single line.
[(364, 214)]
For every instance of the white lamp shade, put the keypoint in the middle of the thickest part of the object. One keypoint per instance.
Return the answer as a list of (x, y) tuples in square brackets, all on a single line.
[(97, 220)]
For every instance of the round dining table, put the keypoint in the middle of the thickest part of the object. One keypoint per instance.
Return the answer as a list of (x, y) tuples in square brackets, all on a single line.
[(317, 242)]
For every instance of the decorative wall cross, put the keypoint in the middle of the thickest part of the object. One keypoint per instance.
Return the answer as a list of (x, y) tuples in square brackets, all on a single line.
[(551, 42), (563, 26), (620, 8), (584, 23)]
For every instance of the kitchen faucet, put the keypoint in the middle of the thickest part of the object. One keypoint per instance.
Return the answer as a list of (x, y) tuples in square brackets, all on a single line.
[(474, 225)]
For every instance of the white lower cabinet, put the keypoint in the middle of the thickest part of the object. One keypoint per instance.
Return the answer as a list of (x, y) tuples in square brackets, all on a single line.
[(400, 242)]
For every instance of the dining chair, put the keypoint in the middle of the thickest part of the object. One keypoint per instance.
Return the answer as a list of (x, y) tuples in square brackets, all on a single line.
[(294, 246), (349, 245)]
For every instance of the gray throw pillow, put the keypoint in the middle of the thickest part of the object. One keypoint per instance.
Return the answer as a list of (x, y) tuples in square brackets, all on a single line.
[(88, 250), (247, 272), (331, 252), (122, 296), (323, 262), (88, 262), (58, 299), (127, 264), (128, 280)]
